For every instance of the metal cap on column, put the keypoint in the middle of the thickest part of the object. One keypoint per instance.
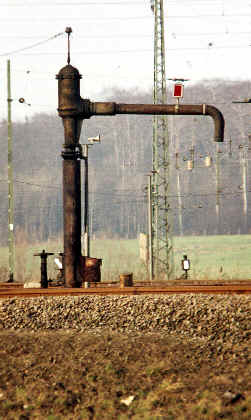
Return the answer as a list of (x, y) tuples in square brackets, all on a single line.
[(70, 106)]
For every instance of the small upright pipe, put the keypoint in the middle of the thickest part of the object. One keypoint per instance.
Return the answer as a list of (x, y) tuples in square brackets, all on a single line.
[(44, 279)]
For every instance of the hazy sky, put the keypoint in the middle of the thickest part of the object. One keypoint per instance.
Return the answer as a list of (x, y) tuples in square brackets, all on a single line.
[(112, 45)]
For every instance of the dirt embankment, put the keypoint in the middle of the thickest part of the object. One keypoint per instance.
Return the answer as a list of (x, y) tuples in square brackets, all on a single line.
[(178, 357)]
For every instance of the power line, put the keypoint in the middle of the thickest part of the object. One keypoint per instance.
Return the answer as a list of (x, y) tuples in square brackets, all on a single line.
[(102, 36), (101, 52), (180, 34), (90, 19), (205, 16), (33, 45), (119, 18), (129, 192), (92, 52), (37, 185), (130, 35), (43, 4)]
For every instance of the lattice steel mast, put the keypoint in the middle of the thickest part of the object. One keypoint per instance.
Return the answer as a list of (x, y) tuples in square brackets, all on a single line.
[(162, 248)]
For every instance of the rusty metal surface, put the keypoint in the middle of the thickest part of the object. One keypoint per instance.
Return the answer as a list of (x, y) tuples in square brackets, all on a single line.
[(128, 291), (72, 221), (6, 285), (91, 269), (162, 284), (112, 108), (69, 100)]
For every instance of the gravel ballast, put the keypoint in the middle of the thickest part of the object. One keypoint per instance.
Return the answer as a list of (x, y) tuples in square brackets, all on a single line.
[(225, 317)]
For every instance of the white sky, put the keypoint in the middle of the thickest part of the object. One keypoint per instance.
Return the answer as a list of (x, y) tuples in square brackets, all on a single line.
[(112, 45)]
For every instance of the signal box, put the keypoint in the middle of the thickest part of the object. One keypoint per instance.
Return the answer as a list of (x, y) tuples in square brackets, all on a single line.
[(178, 90)]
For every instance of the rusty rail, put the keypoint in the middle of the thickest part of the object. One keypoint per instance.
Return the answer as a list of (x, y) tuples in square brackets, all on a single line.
[(128, 291)]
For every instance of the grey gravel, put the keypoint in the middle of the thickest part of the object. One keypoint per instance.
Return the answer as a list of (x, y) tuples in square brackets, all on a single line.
[(224, 317)]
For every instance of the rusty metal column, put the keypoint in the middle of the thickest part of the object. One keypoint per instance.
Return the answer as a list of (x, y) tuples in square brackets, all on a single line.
[(72, 216), (69, 110)]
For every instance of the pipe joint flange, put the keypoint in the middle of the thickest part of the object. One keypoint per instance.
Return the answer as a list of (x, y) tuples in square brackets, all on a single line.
[(86, 109), (69, 153)]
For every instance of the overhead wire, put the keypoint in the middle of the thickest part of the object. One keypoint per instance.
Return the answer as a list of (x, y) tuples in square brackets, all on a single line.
[(136, 51), (33, 45), (88, 3), (127, 51), (88, 19), (128, 194), (118, 18), (95, 36)]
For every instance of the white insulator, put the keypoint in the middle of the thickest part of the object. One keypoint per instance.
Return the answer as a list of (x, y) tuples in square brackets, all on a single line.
[(208, 161), (58, 263), (189, 165)]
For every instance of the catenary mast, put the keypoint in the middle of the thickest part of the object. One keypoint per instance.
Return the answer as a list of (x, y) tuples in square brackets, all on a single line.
[(161, 235)]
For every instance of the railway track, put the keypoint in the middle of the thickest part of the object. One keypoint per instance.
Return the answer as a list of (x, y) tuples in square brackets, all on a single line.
[(15, 291)]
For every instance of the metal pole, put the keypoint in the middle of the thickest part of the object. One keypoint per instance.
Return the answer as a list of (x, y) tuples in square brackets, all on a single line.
[(10, 183), (86, 214), (162, 241), (150, 261), (72, 213), (243, 166), (217, 205)]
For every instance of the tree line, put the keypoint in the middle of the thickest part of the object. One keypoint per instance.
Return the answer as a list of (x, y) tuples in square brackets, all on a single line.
[(203, 199)]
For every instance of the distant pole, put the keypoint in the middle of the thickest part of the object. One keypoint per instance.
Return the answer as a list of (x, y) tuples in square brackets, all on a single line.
[(217, 205), (87, 243), (243, 166), (150, 227), (86, 214), (10, 183)]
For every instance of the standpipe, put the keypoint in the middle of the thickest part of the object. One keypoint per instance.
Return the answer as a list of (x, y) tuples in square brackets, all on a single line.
[(73, 110), (70, 111)]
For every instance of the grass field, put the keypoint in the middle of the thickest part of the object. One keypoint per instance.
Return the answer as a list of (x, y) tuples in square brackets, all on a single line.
[(212, 257), (216, 257)]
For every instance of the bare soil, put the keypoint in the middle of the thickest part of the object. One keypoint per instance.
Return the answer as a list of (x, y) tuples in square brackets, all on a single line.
[(70, 375)]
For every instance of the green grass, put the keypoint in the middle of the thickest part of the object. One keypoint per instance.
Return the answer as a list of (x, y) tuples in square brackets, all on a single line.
[(216, 257), (212, 258)]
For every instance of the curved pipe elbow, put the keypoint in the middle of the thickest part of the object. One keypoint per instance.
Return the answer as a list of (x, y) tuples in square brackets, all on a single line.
[(219, 122)]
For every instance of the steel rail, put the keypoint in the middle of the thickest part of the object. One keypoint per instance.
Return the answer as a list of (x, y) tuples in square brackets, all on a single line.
[(164, 284), (126, 291)]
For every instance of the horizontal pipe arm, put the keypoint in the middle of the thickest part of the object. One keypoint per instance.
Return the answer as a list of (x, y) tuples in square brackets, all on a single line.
[(112, 108)]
